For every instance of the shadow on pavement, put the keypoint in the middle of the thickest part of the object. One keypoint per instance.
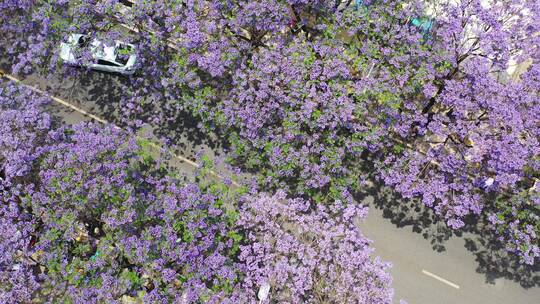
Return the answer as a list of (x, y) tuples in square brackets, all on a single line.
[(492, 259), (495, 262), (107, 95)]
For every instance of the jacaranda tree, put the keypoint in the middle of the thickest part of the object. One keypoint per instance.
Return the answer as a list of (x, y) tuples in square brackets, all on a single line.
[(306, 89), (91, 214)]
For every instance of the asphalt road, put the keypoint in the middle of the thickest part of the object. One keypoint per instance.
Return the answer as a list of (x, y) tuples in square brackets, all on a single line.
[(464, 271), (466, 276)]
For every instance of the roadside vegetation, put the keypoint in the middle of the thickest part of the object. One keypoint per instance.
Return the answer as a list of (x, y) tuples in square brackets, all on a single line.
[(305, 93)]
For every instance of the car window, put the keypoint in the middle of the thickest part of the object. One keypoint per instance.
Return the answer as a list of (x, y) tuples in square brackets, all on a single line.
[(81, 46), (123, 52), (107, 63), (83, 42)]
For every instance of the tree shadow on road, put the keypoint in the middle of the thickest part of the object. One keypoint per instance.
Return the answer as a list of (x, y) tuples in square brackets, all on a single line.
[(495, 262), (492, 259), (108, 96)]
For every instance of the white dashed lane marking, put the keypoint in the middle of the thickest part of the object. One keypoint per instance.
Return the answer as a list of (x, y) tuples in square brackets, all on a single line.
[(436, 277)]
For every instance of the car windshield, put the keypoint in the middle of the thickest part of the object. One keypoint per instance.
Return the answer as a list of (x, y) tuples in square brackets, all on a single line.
[(82, 45)]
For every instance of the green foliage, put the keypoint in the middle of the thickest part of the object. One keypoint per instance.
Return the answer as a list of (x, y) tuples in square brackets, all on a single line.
[(132, 277)]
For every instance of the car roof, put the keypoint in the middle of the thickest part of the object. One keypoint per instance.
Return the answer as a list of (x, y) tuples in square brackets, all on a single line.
[(109, 53), (101, 51)]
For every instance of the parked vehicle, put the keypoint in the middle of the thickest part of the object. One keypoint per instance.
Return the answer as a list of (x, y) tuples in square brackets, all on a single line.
[(425, 26), (362, 3), (118, 58)]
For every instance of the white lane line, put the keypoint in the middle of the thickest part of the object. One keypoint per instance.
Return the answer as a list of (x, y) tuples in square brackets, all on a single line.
[(58, 100), (103, 121), (436, 277)]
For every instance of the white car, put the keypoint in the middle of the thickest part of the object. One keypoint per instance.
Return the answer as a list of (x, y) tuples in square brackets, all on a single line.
[(119, 58)]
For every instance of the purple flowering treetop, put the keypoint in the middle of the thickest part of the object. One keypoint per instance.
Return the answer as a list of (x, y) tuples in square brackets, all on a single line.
[(88, 215), (303, 88), (474, 131), (310, 253)]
